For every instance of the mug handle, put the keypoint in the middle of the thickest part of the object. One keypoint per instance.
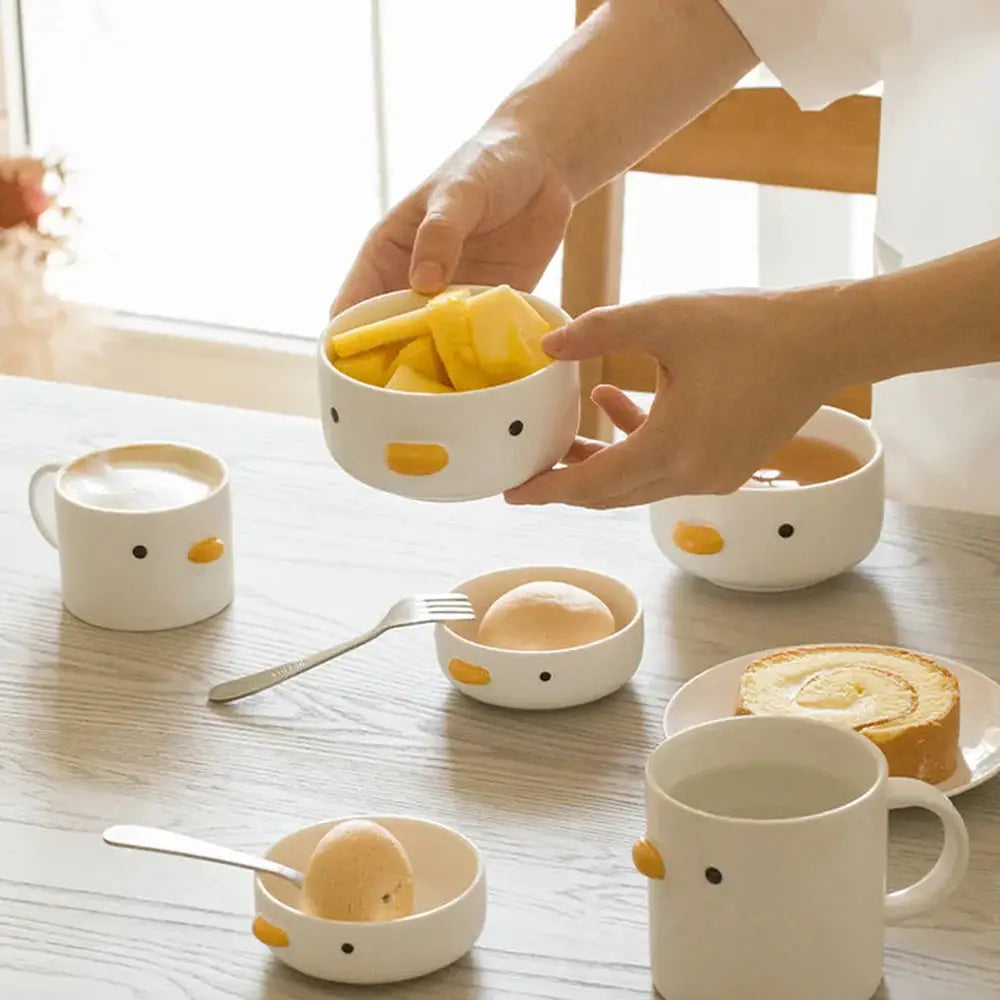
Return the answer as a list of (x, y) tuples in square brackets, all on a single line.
[(41, 502), (949, 869)]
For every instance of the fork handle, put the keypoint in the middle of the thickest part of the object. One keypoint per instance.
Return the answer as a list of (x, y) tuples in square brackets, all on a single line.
[(272, 676)]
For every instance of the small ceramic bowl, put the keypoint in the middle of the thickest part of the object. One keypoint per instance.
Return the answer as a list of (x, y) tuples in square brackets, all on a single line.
[(760, 539), (478, 444), (449, 879), (549, 679)]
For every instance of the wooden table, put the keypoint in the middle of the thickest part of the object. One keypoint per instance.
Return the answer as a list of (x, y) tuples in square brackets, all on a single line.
[(100, 727)]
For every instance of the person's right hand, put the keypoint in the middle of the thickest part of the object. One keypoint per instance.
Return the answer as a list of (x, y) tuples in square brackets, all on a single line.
[(494, 213)]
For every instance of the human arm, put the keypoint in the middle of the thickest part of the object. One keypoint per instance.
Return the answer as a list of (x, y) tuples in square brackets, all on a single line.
[(630, 76), (942, 314), (740, 373), (496, 210)]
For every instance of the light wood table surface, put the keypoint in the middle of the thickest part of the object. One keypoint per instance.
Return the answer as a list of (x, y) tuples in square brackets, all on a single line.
[(99, 728)]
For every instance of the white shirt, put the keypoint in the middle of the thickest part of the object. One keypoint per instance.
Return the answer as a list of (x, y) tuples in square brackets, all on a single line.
[(938, 192)]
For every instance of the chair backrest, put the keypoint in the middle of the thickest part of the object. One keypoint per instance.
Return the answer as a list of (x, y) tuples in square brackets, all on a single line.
[(755, 134)]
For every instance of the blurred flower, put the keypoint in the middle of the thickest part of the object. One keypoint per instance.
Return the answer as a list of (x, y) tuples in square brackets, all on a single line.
[(23, 194), (37, 328)]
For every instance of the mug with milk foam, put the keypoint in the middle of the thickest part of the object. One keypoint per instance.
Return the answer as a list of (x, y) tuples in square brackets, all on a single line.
[(765, 855), (144, 534)]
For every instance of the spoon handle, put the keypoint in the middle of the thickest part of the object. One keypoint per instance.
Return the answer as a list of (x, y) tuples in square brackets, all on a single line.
[(148, 838)]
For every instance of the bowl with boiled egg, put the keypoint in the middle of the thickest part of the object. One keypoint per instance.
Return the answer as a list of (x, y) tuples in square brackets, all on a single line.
[(447, 398), (544, 637), (383, 899)]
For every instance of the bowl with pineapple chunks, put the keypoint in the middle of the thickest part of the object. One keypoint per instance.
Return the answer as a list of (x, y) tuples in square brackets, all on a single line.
[(448, 398)]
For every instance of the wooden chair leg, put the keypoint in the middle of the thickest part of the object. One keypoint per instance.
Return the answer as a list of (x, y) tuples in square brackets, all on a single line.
[(592, 259)]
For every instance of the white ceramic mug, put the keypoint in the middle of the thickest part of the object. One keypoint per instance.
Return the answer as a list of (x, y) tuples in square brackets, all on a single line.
[(139, 566), (782, 539), (779, 908)]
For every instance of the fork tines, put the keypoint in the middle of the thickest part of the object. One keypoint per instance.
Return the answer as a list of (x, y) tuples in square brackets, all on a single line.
[(447, 607)]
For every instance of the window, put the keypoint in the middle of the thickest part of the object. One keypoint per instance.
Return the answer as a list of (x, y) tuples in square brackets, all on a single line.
[(228, 157)]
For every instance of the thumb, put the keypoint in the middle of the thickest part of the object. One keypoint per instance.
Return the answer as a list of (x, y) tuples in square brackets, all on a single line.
[(604, 331), (453, 212)]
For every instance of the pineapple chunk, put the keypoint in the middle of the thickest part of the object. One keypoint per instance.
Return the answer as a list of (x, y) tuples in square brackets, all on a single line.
[(452, 334), (420, 355), (405, 379), (374, 367), (507, 333), (393, 330)]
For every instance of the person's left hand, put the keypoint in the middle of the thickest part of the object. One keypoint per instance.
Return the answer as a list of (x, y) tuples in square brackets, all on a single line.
[(739, 374)]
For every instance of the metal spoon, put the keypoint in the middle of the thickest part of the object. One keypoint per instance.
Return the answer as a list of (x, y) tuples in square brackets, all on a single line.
[(148, 838)]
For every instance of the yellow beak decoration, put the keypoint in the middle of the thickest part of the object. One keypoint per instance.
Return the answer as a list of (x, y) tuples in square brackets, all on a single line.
[(697, 539), (415, 459), (207, 550), (267, 933), (467, 673), (647, 860)]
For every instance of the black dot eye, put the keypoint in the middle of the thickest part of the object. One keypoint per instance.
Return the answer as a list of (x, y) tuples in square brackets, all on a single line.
[(387, 898), (713, 875), (334, 415), (786, 530), (515, 428), (347, 948), (545, 676), (140, 552)]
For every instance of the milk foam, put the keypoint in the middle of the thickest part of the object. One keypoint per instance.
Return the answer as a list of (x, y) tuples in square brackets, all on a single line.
[(138, 484)]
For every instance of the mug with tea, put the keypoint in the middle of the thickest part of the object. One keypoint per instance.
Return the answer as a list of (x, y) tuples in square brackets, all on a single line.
[(765, 853), (144, 534), (812, 511)]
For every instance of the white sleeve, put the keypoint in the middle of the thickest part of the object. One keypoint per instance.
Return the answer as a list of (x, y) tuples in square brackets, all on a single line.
[(820, 50)]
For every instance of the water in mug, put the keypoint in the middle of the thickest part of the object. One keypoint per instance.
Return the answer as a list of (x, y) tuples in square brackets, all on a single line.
[(764, 791)]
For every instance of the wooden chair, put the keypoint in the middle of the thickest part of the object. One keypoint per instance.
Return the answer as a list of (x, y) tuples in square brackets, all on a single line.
[(753, 134)]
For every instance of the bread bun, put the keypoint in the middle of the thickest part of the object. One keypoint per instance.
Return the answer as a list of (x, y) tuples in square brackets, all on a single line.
[(545, 615)]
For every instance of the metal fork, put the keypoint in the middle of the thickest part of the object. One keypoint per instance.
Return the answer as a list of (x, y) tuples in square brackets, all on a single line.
[(420, 610)]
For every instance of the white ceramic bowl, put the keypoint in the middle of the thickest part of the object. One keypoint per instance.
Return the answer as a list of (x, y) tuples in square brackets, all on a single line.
[(549, 679), (449, 910), (495, 439), (782, 539)]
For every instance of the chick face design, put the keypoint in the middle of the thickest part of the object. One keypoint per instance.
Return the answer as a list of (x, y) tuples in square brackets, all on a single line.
[(460, 446), (762, 538), (744, 914), (542, 679), (772, 540), (149, 570)]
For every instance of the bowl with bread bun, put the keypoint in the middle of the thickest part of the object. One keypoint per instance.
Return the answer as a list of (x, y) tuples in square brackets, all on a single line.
[(545, 637)]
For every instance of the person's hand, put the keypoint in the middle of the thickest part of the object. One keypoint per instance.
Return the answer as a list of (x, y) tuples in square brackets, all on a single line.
[(494, 213), (739, 374)]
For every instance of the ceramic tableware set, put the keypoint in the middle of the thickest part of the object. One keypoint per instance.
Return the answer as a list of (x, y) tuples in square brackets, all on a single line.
[(795, 897)]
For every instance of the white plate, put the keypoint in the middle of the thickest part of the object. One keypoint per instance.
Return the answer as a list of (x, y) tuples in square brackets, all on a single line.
[(713, 693)]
